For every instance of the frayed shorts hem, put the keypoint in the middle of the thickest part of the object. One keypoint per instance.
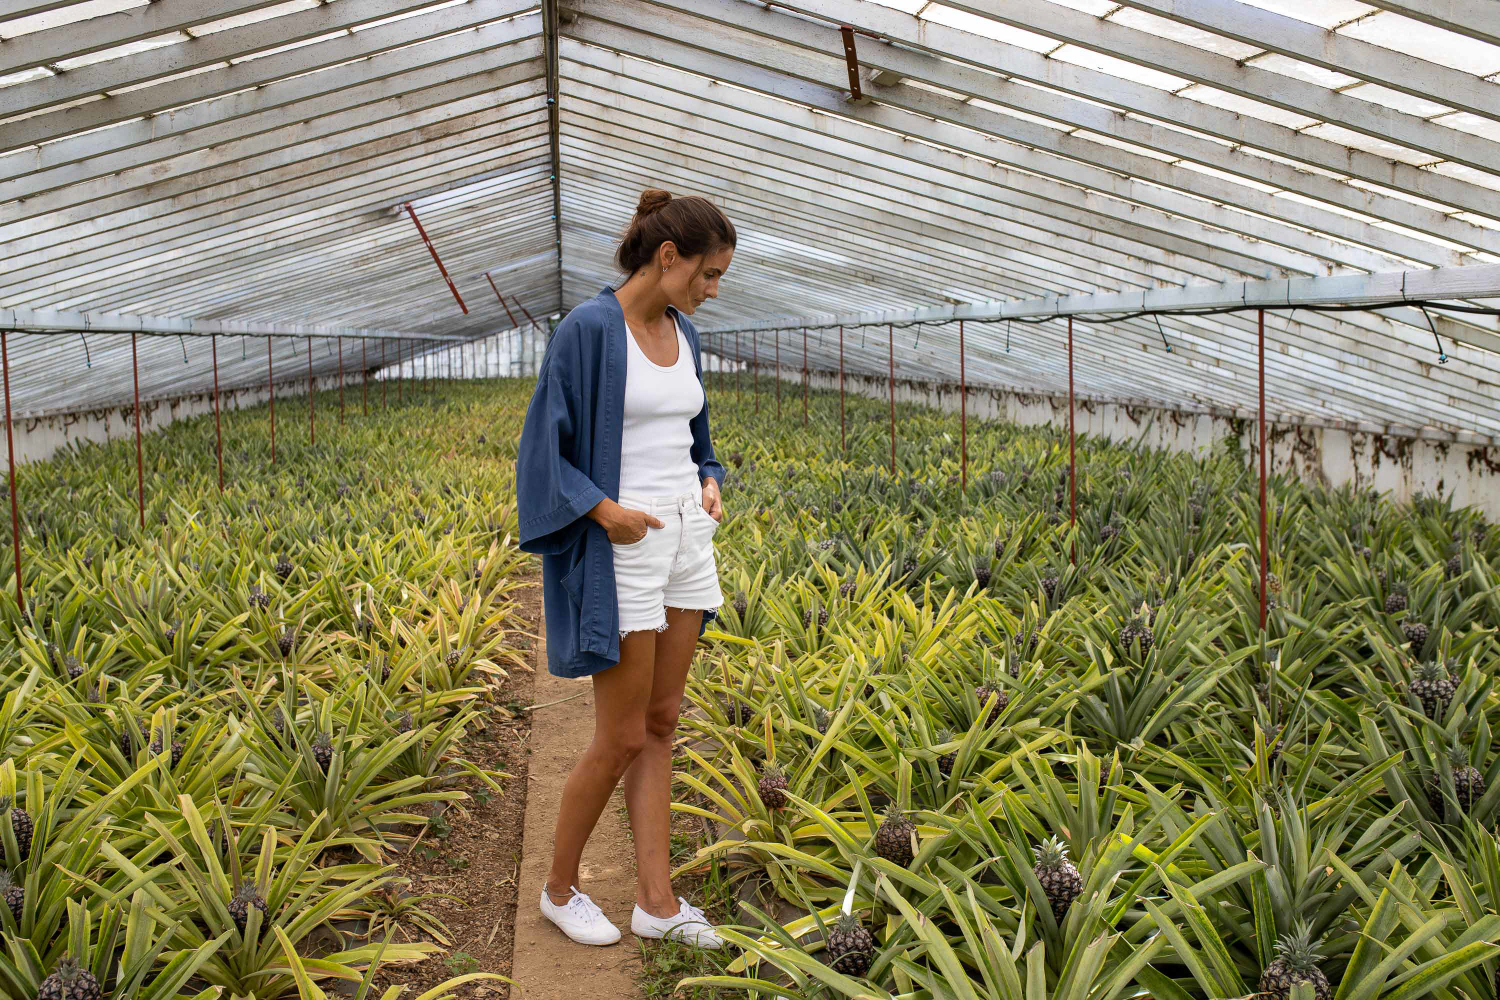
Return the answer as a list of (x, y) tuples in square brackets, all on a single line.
[(662, 627)]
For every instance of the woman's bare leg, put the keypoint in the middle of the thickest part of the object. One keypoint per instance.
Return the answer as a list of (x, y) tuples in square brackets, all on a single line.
[(648, 781), (621, 694)]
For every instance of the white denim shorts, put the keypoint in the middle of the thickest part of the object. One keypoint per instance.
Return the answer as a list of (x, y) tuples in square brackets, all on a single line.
[(672, 566)]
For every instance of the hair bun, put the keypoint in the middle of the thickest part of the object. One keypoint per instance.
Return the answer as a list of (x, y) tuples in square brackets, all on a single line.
[(652, 200)]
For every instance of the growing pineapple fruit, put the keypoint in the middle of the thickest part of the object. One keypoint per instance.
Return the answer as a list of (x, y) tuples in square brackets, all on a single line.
[(455, 657), (1059, 878), (851, 946), (13, 895), (1434, 686), (323, 751), (1416, 633), (740, 604), (946, 761), (738, 712), (1455, 566), (1049, 583), (259, 598), (239, 906), (982, 575), (155, 748), (73, 668), (70, 981), (1002, 698), (772, 788), (1137, 632), (286, 641), (821, 719), (1397, 600), (1296, 962), (893, 839), (20, 824), (1468, 783)]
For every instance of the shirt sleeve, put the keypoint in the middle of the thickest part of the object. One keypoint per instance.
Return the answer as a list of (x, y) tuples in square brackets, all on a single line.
[(552, 494)]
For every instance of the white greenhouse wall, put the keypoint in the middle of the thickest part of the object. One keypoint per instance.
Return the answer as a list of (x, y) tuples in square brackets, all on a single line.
[(1402, 466)]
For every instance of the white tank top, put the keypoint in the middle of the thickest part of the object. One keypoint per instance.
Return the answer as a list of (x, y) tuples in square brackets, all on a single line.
[(656, 446)]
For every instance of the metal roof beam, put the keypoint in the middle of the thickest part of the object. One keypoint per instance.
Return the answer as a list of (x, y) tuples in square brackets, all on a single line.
[(1288, 36), (59, 322), (1474, 18), (107, 31), (1166, 55), (442, 34), (1063, 81)]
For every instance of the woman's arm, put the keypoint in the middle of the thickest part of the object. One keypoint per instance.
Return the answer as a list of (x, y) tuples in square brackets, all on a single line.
[(552, 494)]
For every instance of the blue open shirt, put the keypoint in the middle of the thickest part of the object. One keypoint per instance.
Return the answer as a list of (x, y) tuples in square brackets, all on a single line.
[(569, 460)]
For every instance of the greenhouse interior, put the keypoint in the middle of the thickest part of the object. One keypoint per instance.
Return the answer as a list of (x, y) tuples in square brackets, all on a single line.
[(1099, 427)]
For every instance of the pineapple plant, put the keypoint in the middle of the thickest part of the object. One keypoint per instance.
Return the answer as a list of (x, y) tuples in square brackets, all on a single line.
[(821, 719), (70, 981), (286, 641), (893, 838), (455, 657), (72, 667), (1296, 962), (738, 712), (1454, 567), (1002, 698), (155, 748), (851, 946), (1136, 634), (13, 895), (20, 824), (1468, 782), (1397, 600), (1049, 583), (982, 575), (740, 605), (283, 567), (1434, 686), (323, 751), (946, 761), (1416, 633), (1059, 878), (239, 906), (772, 788), (259, 598)]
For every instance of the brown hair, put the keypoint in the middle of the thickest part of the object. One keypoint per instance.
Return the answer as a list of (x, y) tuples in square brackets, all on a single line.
[(694, 224)]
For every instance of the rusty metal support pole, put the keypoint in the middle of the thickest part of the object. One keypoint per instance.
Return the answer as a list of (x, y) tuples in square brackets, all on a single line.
[(755, 365), (10, 451), (739, 383), (1265, 554), (778, 373), (213, 341), (385, 390), (438, 260), (271, 387), (843, 442), (341, 381), (312, 420), (804, 376), (400, 374), (1072, 447), (508, 313), (890, 331), (364, 366), (140, 471), (963, 414)]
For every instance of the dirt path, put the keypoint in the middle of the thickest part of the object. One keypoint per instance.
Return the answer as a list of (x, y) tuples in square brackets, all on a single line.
[(547, 966)]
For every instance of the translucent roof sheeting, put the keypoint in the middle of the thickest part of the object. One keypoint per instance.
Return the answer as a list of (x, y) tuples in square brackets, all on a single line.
[(239, 161)]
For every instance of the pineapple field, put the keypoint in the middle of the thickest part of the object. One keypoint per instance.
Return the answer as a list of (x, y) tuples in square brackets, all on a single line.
[(220, 731), (949, 744)]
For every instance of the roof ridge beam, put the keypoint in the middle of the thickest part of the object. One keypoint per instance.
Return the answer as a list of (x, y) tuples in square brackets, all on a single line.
[(63, 322)]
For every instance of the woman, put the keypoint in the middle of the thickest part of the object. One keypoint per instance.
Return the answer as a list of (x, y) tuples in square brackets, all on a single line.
[(618, 490)]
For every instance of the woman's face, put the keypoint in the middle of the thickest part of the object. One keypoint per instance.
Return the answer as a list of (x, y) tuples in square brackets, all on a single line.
[(689, 281)]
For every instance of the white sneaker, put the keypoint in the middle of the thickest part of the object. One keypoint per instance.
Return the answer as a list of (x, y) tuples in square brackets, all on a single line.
[(688, 924), (580, 919)]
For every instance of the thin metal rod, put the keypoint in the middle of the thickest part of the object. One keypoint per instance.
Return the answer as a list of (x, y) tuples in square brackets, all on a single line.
[(433, 250), (140, 472), (364, 366), (843, 440), (890, 331), (312, 420), (341, 381), (10, 450), (963, 413), (400, 372), (1072, 447), (755, 365), (271, 383), (508, 313), (804, 376), (739, 383), (1265, 561), (778, 373), (385, 391), (218, 426)]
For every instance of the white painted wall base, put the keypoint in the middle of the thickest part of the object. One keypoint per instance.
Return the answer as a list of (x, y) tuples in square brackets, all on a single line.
[(1399, 466)]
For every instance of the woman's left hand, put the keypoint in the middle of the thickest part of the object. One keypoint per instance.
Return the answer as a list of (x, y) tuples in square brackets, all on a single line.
[(711, 502)]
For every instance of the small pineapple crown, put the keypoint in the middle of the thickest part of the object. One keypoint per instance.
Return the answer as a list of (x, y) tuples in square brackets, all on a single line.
[(894, 814), (323, 740), (6, 881), (1053, 853), (5, 801), (1457, 755), (944, 735), (848, 922), (1399, 587), (68, 969), (773, 772), (1431, 670), (247, 892), (1297, 949)]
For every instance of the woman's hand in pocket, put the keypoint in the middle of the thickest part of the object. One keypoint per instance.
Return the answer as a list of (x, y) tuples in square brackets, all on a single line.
[(713, 505), (629, 526)]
